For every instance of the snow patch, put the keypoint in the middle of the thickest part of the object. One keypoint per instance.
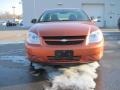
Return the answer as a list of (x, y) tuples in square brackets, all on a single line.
[(10, 42), (16, 59), (109, 51)]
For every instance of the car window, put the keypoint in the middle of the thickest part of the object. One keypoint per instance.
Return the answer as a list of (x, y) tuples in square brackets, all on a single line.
[(63, 15)]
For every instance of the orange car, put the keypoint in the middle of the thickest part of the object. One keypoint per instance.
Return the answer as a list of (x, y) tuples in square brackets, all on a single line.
[(64, 36)]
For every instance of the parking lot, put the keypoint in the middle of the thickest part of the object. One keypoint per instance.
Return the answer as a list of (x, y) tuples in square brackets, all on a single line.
[(16, 74)]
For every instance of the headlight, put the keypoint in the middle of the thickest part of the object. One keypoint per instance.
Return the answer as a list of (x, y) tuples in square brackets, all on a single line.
[(95, 37), (33, 38)]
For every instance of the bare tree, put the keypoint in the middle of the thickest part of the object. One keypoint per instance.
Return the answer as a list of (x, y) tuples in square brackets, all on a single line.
[(7, 15)]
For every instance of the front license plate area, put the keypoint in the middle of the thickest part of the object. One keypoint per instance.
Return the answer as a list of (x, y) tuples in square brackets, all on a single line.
[(63, 54)]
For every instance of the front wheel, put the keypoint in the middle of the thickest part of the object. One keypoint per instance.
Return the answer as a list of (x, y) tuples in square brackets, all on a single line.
[(31, 64), (31, 67)]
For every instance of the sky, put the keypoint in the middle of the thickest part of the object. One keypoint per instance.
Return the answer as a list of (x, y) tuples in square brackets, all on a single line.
[(6, 6)]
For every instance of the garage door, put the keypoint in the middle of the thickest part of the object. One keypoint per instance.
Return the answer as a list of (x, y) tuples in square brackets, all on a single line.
[(96, 11)]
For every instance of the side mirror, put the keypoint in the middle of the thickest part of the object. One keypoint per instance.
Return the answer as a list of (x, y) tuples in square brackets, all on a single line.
[(94, 19), (34, 21)]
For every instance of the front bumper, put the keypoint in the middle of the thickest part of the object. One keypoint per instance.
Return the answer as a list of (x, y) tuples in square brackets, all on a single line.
[(86, 54)]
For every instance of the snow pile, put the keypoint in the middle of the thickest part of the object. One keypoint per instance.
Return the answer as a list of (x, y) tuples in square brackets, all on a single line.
[(79, 77), (73, 78)]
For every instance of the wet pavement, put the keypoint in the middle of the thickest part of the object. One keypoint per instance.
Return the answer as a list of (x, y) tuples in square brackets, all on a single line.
[(112, 36), (109, 71), (17, 75)]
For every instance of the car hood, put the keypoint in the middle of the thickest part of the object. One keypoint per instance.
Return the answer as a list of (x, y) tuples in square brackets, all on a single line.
[(63, 28)]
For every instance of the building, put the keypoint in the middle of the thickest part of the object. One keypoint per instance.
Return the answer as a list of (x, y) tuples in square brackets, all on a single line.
[(107, 11)]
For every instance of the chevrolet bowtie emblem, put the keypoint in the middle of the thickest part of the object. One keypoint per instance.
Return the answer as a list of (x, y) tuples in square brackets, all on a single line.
[(64, 40)]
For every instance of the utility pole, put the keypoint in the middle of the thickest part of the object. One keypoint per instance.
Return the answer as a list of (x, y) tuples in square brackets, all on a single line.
[(13, 7), (34, 3)]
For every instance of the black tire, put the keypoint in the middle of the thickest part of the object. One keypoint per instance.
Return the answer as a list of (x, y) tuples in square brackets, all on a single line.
[(31, 64), (31, 67)]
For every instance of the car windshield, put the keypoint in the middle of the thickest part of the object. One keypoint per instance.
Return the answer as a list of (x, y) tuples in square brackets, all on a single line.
[(63, 15)]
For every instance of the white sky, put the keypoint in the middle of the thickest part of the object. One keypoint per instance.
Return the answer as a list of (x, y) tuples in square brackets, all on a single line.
[(6, 6)]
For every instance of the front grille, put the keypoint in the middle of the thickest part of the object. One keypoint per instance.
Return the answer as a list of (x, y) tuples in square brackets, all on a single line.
[(63, 43), (64, 40), (63, 37)]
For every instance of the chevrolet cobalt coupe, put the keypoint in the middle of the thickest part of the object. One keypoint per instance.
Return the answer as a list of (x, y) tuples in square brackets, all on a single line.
[(64, 36)]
